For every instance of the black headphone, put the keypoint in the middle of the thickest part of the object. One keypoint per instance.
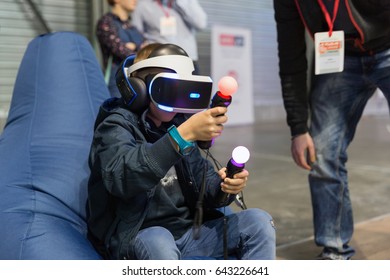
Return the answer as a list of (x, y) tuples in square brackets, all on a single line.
[(133, 88)]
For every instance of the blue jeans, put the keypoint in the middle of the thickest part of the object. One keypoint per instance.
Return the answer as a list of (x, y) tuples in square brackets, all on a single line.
[(337, 104), (250, 236)]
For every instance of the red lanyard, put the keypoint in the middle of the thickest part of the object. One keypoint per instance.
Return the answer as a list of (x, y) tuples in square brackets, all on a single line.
[(327, 16), (165, 11)]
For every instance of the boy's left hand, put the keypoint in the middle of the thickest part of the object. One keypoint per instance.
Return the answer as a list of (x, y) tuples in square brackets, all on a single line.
[(233, 185)]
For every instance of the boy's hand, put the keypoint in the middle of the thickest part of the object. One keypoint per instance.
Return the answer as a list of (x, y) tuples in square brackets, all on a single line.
[(233, 185), (204, 125)]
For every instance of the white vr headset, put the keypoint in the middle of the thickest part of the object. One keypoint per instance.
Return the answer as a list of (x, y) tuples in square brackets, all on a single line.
[(179, 92)]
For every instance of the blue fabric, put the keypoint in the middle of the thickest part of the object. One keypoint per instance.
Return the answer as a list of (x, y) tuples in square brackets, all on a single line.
[(44, 150)]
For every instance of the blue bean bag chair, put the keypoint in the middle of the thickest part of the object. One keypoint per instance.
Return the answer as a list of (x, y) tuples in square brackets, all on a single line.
[(44, 150)]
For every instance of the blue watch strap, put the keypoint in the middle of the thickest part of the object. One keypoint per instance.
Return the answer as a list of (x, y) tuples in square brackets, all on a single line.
[(183, 144)]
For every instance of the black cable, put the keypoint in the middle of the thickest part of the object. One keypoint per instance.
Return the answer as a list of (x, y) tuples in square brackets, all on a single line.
[(218, 166), (216, 163), (225, 229), (198, 218), (239, 200)]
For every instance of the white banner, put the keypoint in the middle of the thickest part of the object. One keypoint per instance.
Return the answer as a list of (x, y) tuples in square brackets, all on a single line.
[(231, 55)]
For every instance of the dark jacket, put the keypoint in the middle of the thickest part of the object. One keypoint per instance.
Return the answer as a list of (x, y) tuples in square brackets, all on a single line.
[(113, 34), (127, 161), (371, 19)]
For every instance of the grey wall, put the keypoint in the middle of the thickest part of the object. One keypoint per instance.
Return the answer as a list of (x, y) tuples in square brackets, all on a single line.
[(19, 25)]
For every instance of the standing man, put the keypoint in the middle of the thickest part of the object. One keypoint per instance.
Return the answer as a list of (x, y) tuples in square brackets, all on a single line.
[(352, 60), (171, 21)]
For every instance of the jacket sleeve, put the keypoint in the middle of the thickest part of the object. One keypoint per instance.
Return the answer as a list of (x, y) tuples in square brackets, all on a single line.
[(128, 164), (108, 37), (292, 64)]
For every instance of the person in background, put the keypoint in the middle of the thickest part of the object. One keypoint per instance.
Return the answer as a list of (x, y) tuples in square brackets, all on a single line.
[(147, 174), (118, 38), (352, 61), (172, 21)]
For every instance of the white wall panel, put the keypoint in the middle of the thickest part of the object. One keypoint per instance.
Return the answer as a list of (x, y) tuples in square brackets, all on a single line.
[(257, 16)]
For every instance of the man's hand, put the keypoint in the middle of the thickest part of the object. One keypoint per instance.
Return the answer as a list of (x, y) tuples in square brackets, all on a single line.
[(204, 125), (233, 185), (303, 151)]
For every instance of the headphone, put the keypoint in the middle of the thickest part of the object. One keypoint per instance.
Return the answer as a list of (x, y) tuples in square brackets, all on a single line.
[(132, 89), (169, 84)]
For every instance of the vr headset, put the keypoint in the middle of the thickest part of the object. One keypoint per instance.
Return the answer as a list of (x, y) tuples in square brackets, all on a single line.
[(179, 92)]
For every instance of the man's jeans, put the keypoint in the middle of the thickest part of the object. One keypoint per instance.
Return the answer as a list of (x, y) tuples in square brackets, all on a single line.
[(337, 104), (250, 236)]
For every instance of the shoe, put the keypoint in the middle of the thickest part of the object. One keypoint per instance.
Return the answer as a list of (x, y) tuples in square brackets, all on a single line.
[(324, 256)]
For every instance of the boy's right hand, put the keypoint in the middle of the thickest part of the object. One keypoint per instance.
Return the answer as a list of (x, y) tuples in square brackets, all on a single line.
[(204, 125)]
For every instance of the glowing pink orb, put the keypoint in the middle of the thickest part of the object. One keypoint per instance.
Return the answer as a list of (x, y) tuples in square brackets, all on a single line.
[(227, 85)]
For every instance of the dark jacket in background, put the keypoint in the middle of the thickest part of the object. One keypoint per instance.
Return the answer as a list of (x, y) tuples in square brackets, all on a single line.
[(113, 34), (371, 19)]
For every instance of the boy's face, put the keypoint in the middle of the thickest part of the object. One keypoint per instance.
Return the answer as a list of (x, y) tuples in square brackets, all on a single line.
[(159, 116)]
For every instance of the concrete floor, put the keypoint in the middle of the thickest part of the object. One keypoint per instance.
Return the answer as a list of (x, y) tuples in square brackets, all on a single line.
[(280, 187)]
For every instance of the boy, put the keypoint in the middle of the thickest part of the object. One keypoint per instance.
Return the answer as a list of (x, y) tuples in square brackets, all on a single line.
[(147, 172)]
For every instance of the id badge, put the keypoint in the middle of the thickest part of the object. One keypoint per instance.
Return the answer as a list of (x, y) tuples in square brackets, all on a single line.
[(168, 26), (329, 52)]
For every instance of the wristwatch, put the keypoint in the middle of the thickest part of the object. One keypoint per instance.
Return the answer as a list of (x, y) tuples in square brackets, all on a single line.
[(184, 146)]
